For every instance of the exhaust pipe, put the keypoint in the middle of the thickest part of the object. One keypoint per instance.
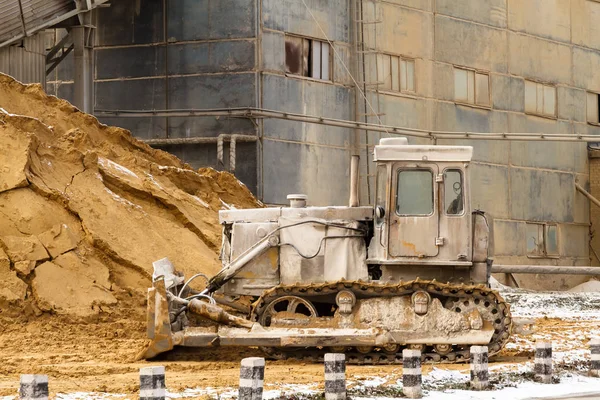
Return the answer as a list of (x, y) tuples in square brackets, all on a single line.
[(354, 164)]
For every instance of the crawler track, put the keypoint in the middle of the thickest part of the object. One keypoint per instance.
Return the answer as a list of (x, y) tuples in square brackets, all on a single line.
[(487, 301)]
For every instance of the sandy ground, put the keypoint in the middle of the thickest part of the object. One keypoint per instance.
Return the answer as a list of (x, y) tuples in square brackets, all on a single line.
[(78, 362)]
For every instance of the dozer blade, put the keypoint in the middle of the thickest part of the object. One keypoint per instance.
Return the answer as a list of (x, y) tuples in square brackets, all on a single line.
[(158, 321)]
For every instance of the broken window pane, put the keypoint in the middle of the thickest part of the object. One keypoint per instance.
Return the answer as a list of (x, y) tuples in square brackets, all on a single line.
[(305, 56), (592, 108), (535, 240), (294, 52), (460, 85), (482, 85), (551, 240), (414, 194), (453, 192)]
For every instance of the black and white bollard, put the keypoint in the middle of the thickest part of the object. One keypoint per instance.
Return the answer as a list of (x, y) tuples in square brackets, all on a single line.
[(33, 387), (411, 373), (543, 361), (252, 375), (152, 383), (335, 376), (595, 357), (479, 368)]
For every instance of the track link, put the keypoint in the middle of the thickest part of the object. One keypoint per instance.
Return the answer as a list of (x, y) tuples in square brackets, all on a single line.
[(456, 296)]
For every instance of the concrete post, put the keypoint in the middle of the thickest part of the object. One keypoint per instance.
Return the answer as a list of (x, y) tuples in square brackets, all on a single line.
[(152, 383), (335, 376), (479, 367), (252, 375), (543, 361), (411, 373), (33, 387), (595, 357)]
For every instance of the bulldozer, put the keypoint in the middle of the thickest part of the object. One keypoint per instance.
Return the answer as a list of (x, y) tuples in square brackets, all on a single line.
[(411, 271)]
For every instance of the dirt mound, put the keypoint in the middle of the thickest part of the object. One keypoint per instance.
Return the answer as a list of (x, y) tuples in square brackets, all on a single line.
[(85, 209)]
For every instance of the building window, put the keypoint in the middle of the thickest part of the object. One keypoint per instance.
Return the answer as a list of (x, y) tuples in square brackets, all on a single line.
[(308, 57), (593, 112), (472, 87), (540, 99), (396, 73), (542, 240)]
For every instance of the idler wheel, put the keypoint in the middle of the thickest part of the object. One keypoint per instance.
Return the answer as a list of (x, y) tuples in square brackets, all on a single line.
[(442, 349), (289, 309)]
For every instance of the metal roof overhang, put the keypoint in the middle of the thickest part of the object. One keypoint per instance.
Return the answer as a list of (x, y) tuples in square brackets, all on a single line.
[(423, 153), (22, 18)]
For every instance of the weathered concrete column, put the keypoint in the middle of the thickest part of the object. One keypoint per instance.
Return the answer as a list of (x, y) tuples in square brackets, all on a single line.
[(543, 361), (595, 357), (335, 376), (152, 383), (33, 387), (411, 374), (83, 54), (252, 375), (479, 367)]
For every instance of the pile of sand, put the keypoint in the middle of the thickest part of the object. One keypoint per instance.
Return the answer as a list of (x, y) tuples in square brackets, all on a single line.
[(85, 209)]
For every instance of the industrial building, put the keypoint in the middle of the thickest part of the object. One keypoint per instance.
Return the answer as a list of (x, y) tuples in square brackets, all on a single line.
[(283, 92)]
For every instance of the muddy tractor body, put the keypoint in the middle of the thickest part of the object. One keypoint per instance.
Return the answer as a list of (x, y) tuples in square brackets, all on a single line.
[(410, 271)]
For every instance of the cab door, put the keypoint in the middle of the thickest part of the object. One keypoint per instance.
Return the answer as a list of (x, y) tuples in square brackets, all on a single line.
[(414, 215)]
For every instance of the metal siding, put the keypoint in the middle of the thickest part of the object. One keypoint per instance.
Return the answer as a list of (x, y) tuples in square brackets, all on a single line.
[(36, 12), (25, 63), (10, 19)]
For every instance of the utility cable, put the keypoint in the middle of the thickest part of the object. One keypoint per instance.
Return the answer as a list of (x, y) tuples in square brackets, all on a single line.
[(362, 93)]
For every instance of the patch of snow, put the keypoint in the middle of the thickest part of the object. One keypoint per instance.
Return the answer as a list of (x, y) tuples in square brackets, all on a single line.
[(199, 200), (108, 164), (564, 305), (88, 396), (153, 181), (226, 206), (590, 286), (121, 200), (569, 385)]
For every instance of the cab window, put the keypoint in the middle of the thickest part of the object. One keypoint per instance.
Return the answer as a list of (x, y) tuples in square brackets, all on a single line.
[(414, 195), (453, 192)]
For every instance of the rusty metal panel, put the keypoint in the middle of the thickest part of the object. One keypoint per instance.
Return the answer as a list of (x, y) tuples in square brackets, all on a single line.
[(296, 55)]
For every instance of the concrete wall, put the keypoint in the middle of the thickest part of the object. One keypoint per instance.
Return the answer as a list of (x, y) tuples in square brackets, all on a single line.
[(231, 53), (299, 157), (516, 182), (177, 54)]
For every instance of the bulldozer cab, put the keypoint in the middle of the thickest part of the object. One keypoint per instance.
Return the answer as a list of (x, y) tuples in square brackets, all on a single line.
[(422, 210)]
